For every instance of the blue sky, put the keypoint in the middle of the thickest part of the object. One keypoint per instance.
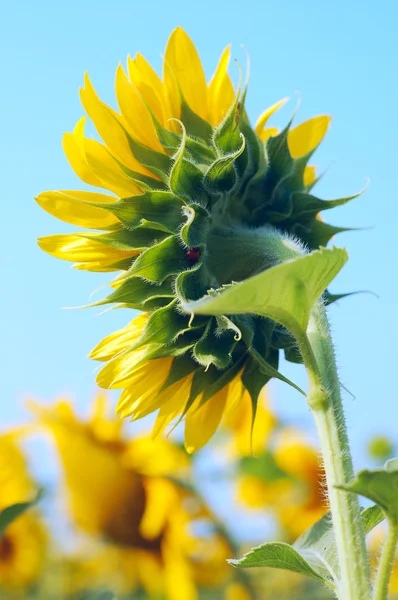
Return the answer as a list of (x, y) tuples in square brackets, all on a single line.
[(340, 56)]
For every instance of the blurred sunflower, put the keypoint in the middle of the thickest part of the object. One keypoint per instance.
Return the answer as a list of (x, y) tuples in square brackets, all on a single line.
[(24, 543), (125, 492), (288, 480), (192, 193)]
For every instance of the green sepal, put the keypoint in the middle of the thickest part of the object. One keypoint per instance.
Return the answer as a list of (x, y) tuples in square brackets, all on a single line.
[(160, 261), (285, 293), (269, 371), (155, 161), (313, 554), (210, 381), (171, 142), (215, 347), (145, 182), (10, 513), (135, 292), (221, 175), (186, 180), (165, 325), (126, 240), (189, 284), (318, 233), (163, 208), (226, 136), (194, 229), (304, 203), (194, 124), (281, 162), (379, 485), (293, 355), (181, 367), (254, 379)]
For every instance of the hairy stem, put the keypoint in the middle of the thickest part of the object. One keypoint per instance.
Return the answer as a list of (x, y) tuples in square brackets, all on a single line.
[(325, 401), (386, 563)]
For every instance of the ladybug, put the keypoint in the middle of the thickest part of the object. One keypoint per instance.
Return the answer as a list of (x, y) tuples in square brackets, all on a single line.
[(192, 255)]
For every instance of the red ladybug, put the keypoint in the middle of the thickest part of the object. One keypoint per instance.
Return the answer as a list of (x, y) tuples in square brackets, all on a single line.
[(192, 255)]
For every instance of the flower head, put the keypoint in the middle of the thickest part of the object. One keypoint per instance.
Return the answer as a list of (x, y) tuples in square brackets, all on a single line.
[(191, 191), (23, 545), (124, 492)]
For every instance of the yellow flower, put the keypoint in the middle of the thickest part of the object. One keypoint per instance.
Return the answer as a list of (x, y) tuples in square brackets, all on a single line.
[(23, 546), (295, 494), (187, 180), (120, 491)]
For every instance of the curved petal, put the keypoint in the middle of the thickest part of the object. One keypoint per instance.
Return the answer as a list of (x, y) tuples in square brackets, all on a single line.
[(118, 341), (149, 84), (262, 120)]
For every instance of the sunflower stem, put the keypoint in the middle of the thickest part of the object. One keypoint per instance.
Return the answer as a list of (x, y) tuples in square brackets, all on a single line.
[(325, 402), (386, 563)]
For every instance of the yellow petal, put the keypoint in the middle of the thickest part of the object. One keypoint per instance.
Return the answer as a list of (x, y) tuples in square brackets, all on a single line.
[(309, 175), (149, 84), (184, 68), (118, 341), (135, 112), (107, 170), (174, 400), (75, 248), (138, 405), (94, 164), (161, 497), (110, 127), (308, 135), (265, 134), (73, 147), (74, 207), (125, 370), (262, 120), (221, 91), (202, 423)]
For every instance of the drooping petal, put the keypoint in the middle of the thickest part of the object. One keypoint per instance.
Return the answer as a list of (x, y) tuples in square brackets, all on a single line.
[(201, 423), (184, 69), (268, 132), (161, 496), (74, 207), (221, 91), (118, 341), (81, 250), (308, 135)]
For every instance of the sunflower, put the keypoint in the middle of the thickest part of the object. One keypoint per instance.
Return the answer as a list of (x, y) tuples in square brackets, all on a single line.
[(191, 192), (124, 493), (289, 481), (23, 545)]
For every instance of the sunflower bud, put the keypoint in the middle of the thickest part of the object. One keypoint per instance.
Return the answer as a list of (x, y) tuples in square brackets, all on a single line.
[(200, 198)]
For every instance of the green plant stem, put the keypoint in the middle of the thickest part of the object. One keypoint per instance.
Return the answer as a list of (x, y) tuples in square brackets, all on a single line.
[(386, 563), (325, 401)]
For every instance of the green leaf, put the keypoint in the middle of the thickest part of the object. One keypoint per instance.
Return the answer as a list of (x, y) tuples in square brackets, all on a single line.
[(284, 293), (134, 292), (277, 555), (379, 485), (9, 514), (165, 325), (160, 261), (263, 467), (313, 554)]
